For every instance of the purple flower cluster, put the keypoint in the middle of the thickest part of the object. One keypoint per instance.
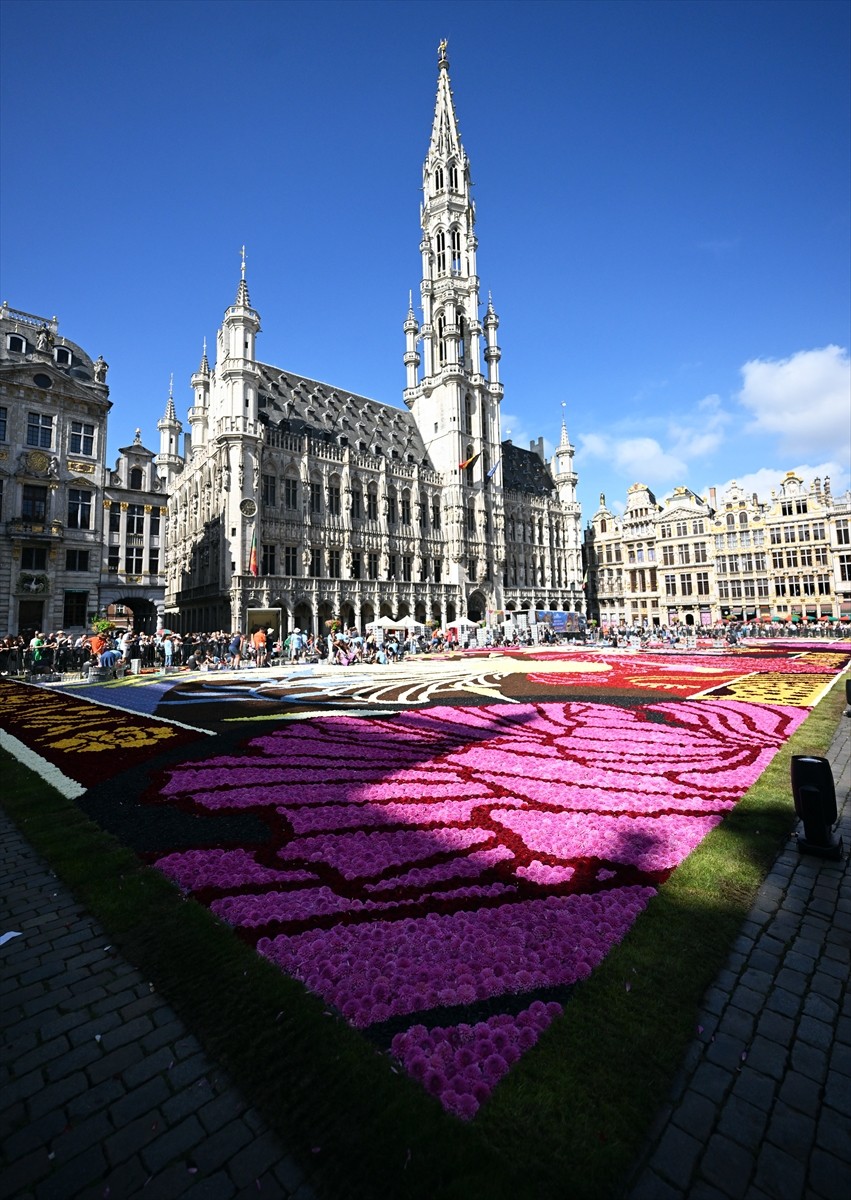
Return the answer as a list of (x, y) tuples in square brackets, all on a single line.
[(347, 814), (197, 869), (460, 868), (538, 872), (649, 843), (380, 969), (462, 1064), (252, 911), (358, 855)]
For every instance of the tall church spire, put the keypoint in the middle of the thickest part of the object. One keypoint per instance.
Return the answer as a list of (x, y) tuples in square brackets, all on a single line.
[(445, 138)]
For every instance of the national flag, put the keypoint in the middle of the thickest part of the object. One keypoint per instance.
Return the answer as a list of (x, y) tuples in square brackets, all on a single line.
[(469, 462), (252, 558), (585, 580), (492, 471)]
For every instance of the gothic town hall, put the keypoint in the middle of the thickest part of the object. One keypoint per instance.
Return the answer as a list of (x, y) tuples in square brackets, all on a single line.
[(300, 496)]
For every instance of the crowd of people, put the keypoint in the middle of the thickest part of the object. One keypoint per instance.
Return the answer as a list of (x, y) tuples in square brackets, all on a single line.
[(59, 653)]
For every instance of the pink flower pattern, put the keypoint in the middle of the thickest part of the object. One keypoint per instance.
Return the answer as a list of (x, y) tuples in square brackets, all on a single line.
[(449, 856)]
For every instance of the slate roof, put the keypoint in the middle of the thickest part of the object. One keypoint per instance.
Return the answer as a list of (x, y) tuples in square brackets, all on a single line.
[(524, 471), (295, 404)]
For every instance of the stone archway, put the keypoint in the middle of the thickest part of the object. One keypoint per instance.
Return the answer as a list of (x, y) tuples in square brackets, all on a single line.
[(143, 610), (476, 606), (303, 617), (326, 615)]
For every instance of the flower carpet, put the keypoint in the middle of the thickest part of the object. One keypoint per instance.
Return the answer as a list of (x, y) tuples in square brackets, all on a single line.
[(440, 854)]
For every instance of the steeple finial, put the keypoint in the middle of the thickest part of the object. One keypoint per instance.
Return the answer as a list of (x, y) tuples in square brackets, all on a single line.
[(242, 298), (204, 368), (445, 138), (565, 441), (170, 414)]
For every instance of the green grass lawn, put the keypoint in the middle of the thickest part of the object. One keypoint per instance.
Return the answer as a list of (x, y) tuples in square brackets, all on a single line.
[(571, 1116)]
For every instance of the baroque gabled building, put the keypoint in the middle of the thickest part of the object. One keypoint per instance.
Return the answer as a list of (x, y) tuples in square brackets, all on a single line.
[(53, 411), (304, 498), (694, 561), (135, 514)]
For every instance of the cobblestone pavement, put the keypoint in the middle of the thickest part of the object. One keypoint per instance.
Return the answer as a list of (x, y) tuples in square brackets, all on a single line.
[(103, 1092), (762, 1105)]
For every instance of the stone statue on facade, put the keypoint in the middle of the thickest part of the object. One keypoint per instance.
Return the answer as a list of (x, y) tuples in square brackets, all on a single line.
[(100, 369)]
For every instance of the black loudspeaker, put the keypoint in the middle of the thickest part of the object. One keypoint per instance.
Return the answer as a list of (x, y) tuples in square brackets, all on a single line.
[(815, 806)]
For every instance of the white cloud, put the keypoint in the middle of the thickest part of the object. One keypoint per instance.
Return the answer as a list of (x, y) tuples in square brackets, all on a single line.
[(766, 479), (804, 400), (702, 437), (639, 459)]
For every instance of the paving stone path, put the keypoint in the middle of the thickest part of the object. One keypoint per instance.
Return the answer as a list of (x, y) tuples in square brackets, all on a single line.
[(103, 1092), (761, 1109)]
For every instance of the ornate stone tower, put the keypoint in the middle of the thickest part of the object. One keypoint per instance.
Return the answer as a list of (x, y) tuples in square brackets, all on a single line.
[(454, 402)]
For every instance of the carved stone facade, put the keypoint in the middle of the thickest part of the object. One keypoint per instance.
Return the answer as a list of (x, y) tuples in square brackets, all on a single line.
[(135, 513), (696, 562), (53, 413), (304, 497)]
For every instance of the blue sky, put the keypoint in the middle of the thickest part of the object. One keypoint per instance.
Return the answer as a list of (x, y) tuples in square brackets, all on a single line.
[(662, 196)]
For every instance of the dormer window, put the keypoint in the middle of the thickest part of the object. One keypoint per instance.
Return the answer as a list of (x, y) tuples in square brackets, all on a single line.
[(16, 344), (63, 356), (136, 479)]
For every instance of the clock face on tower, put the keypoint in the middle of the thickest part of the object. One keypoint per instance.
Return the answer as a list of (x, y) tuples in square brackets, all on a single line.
[(248, 508)]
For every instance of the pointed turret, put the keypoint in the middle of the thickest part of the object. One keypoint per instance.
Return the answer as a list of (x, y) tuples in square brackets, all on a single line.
[(236, 366), (412, 329), (198, 413), (562, 466), (168, 461)]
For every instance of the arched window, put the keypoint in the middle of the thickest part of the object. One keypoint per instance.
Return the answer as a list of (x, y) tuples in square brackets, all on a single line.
[(441, 340), (438, 180), (440, 247), (63, 356), (743, 518), (453, 177), (462, 338), (136, 479), (468, 419), (603, 526), (731, 521), (468, 454), (17, 344), (455, 243)]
